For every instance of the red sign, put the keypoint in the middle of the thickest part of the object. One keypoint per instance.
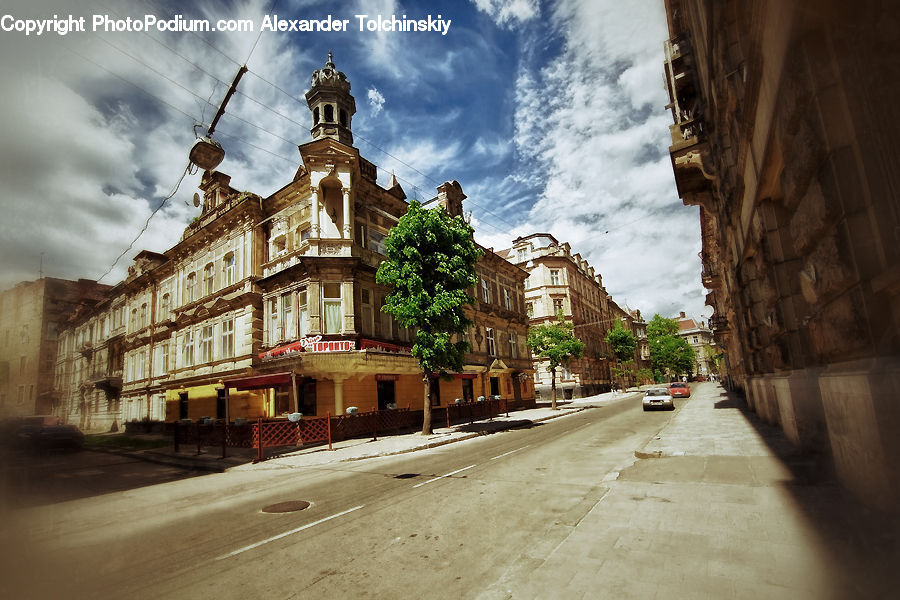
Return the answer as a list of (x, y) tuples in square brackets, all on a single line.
[(384, 346), (309, 344)]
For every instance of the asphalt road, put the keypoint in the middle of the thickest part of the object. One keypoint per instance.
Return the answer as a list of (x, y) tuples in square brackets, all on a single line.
[(446, 522)]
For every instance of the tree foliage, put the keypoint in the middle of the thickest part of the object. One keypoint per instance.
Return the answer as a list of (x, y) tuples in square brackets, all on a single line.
[(430, 265), (622, 342), (555, 342), (669, 353)]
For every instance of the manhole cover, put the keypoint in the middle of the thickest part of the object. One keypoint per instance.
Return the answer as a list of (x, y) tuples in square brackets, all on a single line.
[(406, 476), (286, 507)]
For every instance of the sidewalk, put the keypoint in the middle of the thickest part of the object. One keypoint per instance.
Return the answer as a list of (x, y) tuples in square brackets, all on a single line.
[(721, 506), (240, 459)]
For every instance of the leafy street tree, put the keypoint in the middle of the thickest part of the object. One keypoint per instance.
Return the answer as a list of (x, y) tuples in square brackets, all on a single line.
[(623, 345), (669, 353), (430, 265), (557, 343)]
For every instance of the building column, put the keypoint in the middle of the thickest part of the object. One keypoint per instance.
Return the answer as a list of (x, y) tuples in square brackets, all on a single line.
[(338, 396), (348, 222), (314, 208)]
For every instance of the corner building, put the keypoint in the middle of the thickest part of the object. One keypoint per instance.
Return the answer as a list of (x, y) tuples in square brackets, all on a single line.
[(785, 136), (269, 306)]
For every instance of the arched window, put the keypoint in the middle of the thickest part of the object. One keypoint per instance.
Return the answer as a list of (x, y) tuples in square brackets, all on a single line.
[(315, 115), (329, 113), (229, 268), (208, 279), (343, 114)]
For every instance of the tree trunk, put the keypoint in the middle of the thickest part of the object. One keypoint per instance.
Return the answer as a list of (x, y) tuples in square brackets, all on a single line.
[(426, 406), (553, 388)]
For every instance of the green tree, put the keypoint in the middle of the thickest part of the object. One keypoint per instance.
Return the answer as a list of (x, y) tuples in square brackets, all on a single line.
[(430, 265), (557, 343), (669, 353), (622, 342)]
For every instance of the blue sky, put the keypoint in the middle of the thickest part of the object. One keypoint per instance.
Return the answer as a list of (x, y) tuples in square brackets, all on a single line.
[(549, 114)]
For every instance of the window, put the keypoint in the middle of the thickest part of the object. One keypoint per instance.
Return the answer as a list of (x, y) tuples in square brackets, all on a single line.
[(141, 360), (164, 308), (287, 305), (143, 314), (522, 254), (329, 113), (134, 319), (190, 288), (188, 350), (376, 241), (228, 268), (228, 338), (529, 309), (386, 329), (485, 291), (554, 277), (279, 246), (303, 234), (206, 344), (507, 301), (557, 305), (209, 279), (273, 321), (513, 344), (315, 115), (694, 340), (302, 313), (331, 300), (368, 324), (489, 337)]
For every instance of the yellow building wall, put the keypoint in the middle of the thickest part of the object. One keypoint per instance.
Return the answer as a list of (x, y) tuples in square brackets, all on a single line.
[(249, 404)]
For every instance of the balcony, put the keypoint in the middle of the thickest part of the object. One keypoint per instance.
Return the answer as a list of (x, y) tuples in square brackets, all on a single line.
[(318, 247), (110, 381), (710, 276), (86, 349)]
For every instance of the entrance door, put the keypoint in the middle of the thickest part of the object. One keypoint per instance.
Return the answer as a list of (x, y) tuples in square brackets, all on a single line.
[(308, 397), (221, 401), (467, 390), (495, 386), (182, 405), (386, 392)]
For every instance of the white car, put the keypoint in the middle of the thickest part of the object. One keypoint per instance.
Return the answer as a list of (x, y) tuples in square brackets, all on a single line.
[(658, 398)]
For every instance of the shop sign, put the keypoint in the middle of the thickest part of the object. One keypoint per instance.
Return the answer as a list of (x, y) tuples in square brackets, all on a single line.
[(309, 344)]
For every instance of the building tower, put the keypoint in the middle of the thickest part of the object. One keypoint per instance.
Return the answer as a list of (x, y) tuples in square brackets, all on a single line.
[(331, 104)]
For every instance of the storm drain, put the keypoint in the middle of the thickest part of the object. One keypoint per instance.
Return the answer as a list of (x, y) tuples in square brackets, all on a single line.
[(286, 507)]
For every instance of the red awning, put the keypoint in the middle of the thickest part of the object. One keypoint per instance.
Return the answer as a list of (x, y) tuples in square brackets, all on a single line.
[(258, 382)]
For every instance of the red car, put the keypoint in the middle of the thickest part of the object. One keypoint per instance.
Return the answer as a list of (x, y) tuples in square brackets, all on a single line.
[(679, 389)]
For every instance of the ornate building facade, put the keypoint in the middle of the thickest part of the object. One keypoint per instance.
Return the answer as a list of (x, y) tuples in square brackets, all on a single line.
[(269, 306), (784, 136), (560, 281)]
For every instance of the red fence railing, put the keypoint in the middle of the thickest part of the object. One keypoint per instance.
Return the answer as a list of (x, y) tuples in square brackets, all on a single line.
[(273, 433)]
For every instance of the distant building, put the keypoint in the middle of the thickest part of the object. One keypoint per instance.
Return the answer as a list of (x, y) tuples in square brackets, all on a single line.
[(785, 137), (560, 281), (269, 306), (700, 338), (31, 315)]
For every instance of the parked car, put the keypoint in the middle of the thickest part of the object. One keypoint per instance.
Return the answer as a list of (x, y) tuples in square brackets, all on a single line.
[(679, 389), (658, 398), (56, 436)]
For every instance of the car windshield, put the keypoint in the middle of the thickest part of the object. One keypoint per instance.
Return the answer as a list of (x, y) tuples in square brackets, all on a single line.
[(678, 385), (657, 393)]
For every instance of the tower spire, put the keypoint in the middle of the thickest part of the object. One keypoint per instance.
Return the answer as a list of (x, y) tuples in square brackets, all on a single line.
[(331, 104)]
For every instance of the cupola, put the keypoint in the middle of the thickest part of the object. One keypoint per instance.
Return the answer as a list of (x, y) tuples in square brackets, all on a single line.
[(331, 104)]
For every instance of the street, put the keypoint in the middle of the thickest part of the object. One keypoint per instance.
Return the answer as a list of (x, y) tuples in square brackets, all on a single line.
[(507, 493), (560, 509)]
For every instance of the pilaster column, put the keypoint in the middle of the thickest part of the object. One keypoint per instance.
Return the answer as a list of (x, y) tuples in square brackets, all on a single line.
[(348, 222), (314, 207)]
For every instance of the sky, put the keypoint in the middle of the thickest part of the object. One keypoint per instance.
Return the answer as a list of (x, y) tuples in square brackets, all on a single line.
[(549, 114)]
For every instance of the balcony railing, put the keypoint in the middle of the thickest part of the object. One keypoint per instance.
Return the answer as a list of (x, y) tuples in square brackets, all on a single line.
[(309, 247)]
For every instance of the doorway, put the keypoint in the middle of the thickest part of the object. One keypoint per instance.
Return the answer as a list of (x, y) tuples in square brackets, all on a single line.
[(386, 394)]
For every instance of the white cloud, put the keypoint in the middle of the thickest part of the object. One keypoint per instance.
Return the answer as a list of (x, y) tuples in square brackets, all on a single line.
[(376, 101), (508, 12), (591, 123)]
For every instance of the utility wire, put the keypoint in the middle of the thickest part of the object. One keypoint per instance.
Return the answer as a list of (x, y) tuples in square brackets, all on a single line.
[(184, 174)]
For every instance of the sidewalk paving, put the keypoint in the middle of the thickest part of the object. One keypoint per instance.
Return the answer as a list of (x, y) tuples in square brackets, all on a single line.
[(720, 507), (240, 459)]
